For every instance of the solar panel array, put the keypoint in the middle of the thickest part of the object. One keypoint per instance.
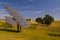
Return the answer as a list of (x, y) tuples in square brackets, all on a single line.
[(10, 21), (19, 19)]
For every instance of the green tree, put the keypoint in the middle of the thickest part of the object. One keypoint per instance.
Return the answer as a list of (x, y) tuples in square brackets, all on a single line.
[(28, 19), (48, 19), (39, 20)]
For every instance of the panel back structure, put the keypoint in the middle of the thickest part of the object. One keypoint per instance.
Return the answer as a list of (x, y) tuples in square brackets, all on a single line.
[(17, 16), (10, 21)]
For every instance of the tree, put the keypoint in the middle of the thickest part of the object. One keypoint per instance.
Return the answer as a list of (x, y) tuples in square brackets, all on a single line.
[(39, 20), (28, 19), (48, 19)]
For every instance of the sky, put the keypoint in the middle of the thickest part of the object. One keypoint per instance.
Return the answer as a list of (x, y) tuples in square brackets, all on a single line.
[(32, 8)]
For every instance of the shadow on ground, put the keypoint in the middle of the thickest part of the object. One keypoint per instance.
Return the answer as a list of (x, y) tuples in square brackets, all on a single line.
[(56, 35), (9, 30)]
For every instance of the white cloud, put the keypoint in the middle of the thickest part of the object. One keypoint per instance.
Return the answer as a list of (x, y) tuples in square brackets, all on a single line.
[(2, 2), (29, 0), (36, 12), (3, 13), (26, 7), (55, 9), (32, 12), (2, 16)]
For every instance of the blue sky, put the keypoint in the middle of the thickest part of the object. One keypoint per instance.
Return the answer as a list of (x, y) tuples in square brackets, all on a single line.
[(32, 8)]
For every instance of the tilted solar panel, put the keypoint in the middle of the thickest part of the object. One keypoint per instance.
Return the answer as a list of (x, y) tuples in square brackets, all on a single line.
[(10, 21), (19, 19)]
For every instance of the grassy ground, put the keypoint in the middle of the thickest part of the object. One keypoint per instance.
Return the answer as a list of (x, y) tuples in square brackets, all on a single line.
[(34, 32)]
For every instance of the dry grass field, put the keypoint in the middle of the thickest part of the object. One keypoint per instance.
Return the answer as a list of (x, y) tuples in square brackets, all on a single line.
[(34, 32)]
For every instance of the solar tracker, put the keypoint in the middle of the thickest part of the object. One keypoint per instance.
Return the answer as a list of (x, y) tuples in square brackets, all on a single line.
[(19, 19), (10, 21)]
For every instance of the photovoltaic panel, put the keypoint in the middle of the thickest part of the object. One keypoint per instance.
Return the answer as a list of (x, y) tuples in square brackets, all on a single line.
[(19, 19), (10, 21)]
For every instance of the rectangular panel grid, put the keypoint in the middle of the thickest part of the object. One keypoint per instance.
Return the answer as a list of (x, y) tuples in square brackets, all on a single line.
[(10, 21), (19, 19)]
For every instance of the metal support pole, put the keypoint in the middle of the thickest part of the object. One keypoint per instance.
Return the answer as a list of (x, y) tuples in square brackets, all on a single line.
[(18, 28)]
